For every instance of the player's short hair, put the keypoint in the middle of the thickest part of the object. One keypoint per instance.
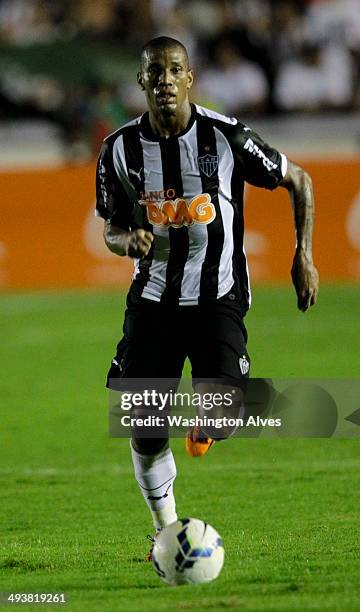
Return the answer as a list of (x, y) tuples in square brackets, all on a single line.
[(160, 43)]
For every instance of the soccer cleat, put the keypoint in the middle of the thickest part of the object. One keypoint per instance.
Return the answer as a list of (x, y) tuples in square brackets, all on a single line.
[(197, 443)]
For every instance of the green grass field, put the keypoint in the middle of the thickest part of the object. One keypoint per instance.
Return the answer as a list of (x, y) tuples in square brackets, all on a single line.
[(71, 517)]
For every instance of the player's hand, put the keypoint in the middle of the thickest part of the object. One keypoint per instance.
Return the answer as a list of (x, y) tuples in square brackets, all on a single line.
[(139, 243), (305, 278)]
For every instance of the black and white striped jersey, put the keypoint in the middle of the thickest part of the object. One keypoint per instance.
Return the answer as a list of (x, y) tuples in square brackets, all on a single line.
[(188, 191)]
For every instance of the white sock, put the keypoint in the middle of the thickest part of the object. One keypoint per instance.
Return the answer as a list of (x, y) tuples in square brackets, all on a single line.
[(155, 475)]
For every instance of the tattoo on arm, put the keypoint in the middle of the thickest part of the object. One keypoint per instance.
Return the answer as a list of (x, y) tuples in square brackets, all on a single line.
[(299, 185)]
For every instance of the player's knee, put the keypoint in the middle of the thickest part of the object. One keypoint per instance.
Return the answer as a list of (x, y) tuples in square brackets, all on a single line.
[(221, 434), (149, 446)]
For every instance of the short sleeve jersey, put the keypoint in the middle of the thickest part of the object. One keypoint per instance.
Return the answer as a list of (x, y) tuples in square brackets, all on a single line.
[(188, 191)]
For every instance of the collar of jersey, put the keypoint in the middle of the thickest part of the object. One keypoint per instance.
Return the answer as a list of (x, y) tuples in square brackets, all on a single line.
[(146, 130)]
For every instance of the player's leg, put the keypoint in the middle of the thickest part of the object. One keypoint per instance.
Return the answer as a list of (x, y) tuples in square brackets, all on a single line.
[(220, 365), (146, 352), (155, 472)]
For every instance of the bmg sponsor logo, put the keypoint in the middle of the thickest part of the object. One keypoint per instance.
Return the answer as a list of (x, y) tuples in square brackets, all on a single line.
[(180, 212)]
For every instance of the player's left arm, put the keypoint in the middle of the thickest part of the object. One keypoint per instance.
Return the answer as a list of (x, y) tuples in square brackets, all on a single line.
[(304, 274), (263, 166)]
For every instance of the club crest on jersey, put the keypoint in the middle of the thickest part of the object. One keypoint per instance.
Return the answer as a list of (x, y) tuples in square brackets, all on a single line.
[(180, 212), (208, 164)]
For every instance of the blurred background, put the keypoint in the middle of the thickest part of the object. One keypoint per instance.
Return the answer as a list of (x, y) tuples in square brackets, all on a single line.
[(68, 78)]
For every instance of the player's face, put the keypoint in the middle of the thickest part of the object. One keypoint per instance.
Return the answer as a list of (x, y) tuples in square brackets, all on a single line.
[(166, 80)]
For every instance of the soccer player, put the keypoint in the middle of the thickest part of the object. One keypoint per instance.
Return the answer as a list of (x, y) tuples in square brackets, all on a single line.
[(184, 229)]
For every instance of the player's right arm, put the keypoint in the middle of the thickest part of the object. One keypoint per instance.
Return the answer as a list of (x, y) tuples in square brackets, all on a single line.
[(121, 242), (114, 205)]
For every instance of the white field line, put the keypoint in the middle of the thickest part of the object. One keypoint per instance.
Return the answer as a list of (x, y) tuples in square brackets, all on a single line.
[(63, 471), (247, 470), (14, 303), (118, 469)]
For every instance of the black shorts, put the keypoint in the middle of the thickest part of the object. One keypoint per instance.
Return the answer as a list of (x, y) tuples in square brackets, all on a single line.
[(157, 339)]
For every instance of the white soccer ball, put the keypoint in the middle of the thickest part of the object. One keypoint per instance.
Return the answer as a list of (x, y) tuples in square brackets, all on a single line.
[(188, 551)]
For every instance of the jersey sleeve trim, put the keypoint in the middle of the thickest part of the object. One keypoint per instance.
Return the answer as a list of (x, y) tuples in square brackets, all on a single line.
[(284, 164), (113, 200), (206, 112)]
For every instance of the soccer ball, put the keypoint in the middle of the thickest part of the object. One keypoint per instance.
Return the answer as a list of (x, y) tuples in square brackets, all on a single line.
[(188, 551)]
